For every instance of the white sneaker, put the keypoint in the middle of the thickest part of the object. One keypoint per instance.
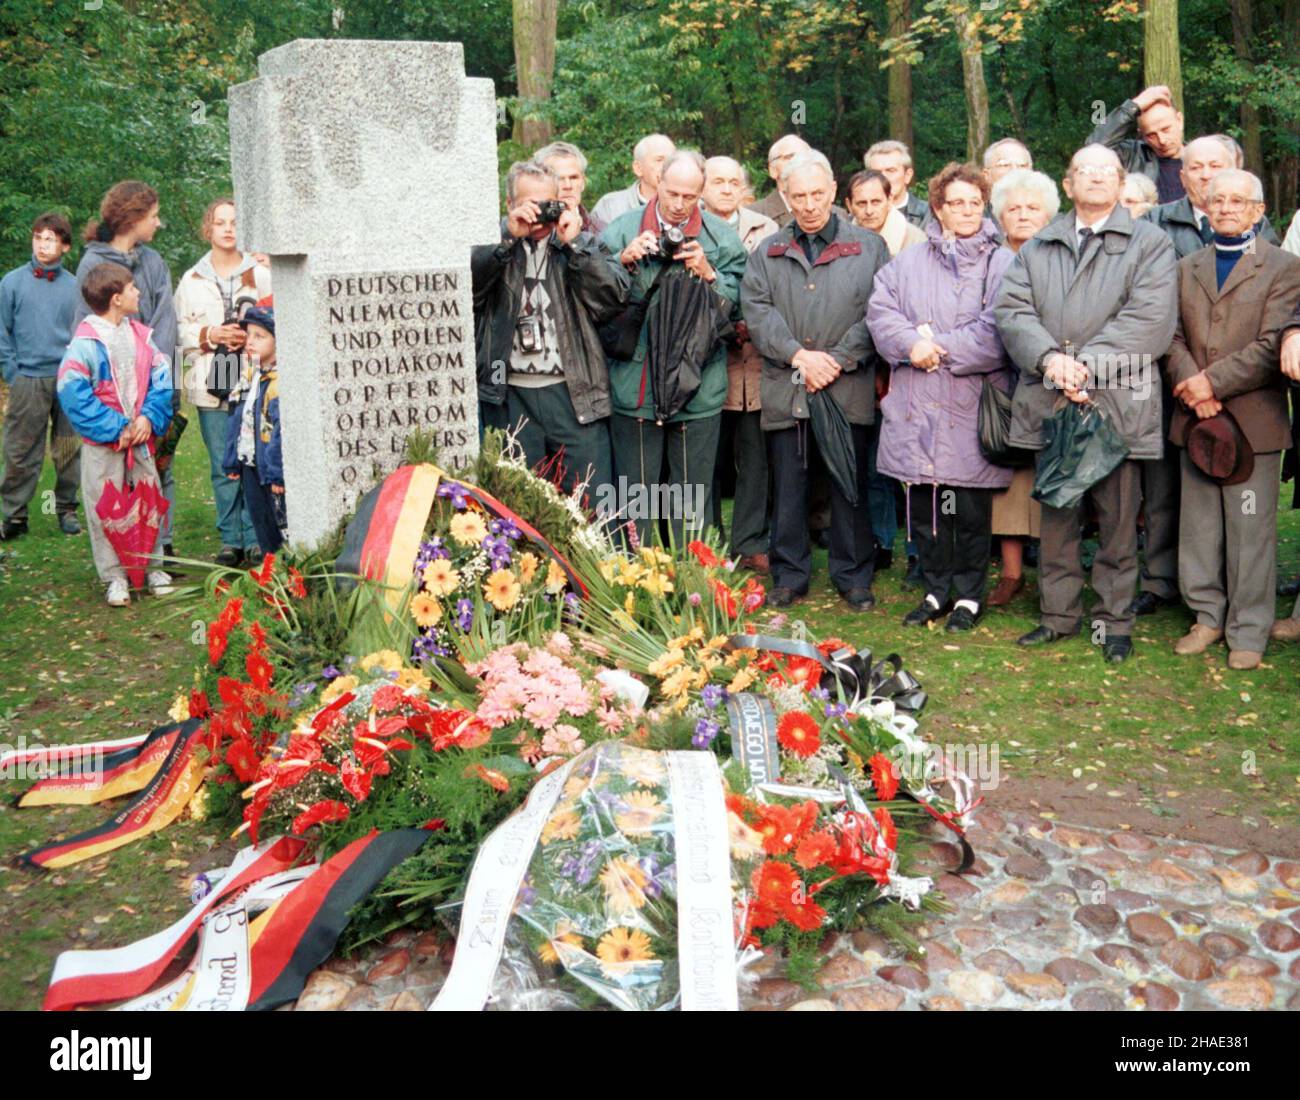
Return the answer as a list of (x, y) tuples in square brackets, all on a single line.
[(160, 583), (119, 595)]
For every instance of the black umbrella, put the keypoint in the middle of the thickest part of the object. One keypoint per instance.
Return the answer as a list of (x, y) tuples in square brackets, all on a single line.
[(835, 442), (685, 324)]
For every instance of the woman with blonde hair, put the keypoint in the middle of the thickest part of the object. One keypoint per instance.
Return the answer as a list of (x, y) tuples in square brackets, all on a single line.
[(210, 299)]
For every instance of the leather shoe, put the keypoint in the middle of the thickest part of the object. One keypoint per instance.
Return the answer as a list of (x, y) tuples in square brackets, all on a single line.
[(821, 537), (755, 563), (1117, 648), (229, 556), (961, 619), (884, 558), (1148, 603), (1289, 588), (1285, 630), (68, 523), (783, 597), (1007, 589), (860, 599), (1041, 635), (913, 578), (1244, 659), (927, 611), (1197, 640), (13, 528)]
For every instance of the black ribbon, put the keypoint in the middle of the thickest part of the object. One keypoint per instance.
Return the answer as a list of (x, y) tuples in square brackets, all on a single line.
[(886, 681)]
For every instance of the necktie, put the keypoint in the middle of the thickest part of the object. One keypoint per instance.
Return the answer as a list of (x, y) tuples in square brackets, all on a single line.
[(1207, 231), (1085, 235)]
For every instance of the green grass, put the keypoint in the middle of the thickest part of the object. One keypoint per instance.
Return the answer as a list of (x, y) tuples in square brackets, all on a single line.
[(71, 668)]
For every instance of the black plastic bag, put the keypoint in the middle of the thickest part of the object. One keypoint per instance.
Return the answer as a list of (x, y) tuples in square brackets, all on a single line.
[(1082, 447)]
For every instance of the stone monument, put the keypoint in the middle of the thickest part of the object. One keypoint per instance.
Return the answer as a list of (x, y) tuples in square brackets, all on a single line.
[(366, 170)]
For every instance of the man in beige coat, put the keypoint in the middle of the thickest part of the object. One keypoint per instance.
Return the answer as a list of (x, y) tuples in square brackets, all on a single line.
[(724, 187), (1235, 296)]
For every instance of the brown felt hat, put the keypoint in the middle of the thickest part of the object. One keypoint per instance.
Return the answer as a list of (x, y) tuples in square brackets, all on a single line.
[(1218, 448)]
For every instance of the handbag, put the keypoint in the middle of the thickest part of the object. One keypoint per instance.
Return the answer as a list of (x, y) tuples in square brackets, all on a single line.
[(1082, 447), (994, 429)]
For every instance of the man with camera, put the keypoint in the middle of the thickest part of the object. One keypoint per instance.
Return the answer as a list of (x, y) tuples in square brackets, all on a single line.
[(672, 238), (539, 297)]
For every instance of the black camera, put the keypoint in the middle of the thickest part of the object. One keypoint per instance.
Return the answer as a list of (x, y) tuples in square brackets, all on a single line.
[(550, 211), (670, 240)]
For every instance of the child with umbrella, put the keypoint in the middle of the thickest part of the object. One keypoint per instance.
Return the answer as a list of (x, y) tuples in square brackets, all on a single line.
[(115, 388)]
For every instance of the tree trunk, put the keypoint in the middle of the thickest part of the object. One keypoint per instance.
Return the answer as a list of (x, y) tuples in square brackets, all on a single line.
[(534, 27), (1243, 30), (977, 92), (900, 76), (1285, 161), (1161, 59)]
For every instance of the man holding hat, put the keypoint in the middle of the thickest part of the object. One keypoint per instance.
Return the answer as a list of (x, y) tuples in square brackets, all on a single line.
[(1235, 298)]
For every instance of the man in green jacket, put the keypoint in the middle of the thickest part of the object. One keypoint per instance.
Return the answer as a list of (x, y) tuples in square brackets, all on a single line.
[(687, 441)]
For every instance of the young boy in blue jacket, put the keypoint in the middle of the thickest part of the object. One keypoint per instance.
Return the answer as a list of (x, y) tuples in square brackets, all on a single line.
[(253, 434), (115, 387)]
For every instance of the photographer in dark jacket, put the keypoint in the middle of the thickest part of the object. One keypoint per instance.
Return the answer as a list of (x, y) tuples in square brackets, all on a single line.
[(539, 297)]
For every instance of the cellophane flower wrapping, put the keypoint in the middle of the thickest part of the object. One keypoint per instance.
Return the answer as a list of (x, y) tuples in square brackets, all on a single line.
[(596, 918)]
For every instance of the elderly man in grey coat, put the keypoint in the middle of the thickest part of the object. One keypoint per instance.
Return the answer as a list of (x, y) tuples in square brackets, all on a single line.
[(648, 159), (1086, 311), (804, 297)]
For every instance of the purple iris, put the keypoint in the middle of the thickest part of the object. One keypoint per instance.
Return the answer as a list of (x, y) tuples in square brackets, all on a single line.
[(581, 867), (706, 729), (505, 528), (464, 614), (836, 710), (455, 492), (820, 694), (498, 550), (330, 672), (712, 695)]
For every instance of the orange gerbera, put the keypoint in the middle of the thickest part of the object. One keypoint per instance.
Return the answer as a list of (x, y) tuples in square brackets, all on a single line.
[(501, 590), (776, 886), (883, 777), (814, 850), (888, 830), (799, 732), (782, 828), (620, 948)]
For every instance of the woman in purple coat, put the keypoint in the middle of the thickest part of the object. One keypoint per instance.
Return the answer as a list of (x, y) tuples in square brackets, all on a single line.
[(931, 317)]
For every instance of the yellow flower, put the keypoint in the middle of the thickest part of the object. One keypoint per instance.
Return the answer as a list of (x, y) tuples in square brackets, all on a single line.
[(657, 583), (555, 578), (198, 806), (710, 661), (608, 568), (743, 678), (701, 678), (501, 590), (665, 663), (180, 708), (528, 564), (624, 884), (642, 768), (655, 556), (468, 528), (413, 678), (575, 786), (629, 602), (425, 610), (643, 810), (716, 642), (387, 659), (620, 949), (547, 953), (340, 685), (629, 572), (440, 578), (561, 826), (679, 682)]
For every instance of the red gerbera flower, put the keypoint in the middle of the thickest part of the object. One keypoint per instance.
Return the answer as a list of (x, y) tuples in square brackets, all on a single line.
[(258, 635), (783, 828), (799, 732), (242, 758), (259, 670), (703, 553), (725, 599), (814, 850), (328, 809), (888, 830), (807, 917), (883, 777), (263, 575), (218, 639), (776, 885)]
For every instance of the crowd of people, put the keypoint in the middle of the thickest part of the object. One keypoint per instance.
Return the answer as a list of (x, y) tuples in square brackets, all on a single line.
[(92, 361), (839, 362), (832, 365)]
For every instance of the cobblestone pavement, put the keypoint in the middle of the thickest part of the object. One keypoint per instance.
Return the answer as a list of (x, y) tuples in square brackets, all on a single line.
[(1050, 917)]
